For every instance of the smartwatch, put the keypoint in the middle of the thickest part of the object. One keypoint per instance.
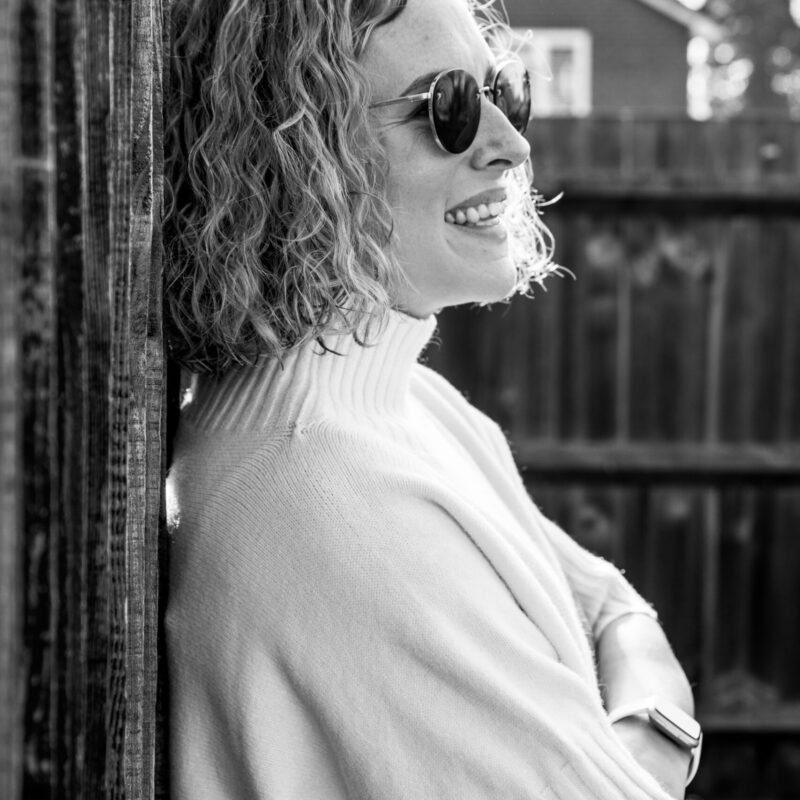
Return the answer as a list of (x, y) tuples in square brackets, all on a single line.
[(671, 721)]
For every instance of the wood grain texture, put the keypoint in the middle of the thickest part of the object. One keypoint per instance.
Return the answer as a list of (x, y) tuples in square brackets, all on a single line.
[(81, 403), (147, 388), (119, 145)]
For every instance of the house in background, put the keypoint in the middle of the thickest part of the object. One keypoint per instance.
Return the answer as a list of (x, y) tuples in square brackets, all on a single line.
[(607, 56)]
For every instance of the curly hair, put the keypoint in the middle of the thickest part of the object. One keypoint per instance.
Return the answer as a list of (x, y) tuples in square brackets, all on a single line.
[(276, 227)]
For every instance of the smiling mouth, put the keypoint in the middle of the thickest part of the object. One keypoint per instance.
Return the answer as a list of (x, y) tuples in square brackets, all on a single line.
[(484, 215)]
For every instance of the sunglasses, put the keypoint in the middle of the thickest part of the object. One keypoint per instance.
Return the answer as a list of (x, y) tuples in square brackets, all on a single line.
[(454, 103)]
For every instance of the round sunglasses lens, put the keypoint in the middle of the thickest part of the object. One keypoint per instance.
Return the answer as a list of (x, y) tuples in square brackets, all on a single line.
[(456, 110), (512, 94)]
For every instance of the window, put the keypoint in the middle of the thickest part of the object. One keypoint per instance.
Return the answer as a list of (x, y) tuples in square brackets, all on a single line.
[(560, 63)]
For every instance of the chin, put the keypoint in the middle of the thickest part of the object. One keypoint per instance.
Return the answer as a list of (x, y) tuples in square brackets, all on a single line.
[(503, 283)]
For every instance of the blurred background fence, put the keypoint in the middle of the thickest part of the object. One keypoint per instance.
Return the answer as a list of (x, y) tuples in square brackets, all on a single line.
[(654, 402)]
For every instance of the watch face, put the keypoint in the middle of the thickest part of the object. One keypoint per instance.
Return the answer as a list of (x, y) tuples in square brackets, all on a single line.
[(676, 724)]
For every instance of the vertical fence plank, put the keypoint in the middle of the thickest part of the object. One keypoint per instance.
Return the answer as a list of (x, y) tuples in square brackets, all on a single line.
[(602, 265), (511, 351), (11, 530), (738, 389), (673, 546), (545, 331), (781, 614), (646, 380), (717, 323), (561, 395), (575, 397), (120, 135), (69, 360), (147, 385), (38, 332), (789, 411)]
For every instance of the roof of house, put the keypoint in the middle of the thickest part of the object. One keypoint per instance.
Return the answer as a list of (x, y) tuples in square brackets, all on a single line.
[(697, 22)]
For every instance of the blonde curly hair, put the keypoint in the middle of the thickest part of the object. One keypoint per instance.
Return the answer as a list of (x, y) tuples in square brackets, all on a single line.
[(276, 227)]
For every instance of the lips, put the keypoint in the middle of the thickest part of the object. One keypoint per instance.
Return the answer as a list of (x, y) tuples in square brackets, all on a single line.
[(476, 215), (480, 210)]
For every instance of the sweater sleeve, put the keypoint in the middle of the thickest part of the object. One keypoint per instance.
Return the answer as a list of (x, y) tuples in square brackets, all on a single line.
[(601, 590), (334, 633)]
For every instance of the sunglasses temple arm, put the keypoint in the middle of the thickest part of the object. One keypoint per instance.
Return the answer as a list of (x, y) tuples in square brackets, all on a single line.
[(409, 98)]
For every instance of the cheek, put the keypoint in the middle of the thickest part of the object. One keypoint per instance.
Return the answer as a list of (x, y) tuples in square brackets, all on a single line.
[(414, 191), (418, 214), (418, 175)]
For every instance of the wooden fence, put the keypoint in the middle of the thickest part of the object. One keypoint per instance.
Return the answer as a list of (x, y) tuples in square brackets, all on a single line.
[(81, 397), (654, 402)]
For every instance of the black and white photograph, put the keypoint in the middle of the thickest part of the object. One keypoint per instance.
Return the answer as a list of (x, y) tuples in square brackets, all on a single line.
[(400, 400)]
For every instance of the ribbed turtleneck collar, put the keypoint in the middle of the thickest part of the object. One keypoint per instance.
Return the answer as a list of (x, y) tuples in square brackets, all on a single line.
[(348, 379)]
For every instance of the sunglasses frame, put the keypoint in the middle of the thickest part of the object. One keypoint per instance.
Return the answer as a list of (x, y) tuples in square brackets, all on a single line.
[(486, 90)]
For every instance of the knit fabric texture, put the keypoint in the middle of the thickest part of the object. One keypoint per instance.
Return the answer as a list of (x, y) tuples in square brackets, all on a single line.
[(364, 602)]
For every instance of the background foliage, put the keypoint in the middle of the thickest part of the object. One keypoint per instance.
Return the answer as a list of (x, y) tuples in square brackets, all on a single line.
[(756, 66)]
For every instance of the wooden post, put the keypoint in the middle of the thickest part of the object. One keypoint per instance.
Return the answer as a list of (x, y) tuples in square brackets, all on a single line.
[(81, 400)]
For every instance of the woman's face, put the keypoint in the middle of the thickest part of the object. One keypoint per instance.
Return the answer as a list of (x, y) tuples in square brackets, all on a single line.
[(428, 189)]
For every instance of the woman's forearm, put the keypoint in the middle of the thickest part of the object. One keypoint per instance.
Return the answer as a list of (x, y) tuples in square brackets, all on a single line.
[(634, 662)]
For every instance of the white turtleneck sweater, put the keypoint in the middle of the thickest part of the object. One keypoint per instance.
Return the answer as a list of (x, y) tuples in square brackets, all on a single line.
[(364, 603)]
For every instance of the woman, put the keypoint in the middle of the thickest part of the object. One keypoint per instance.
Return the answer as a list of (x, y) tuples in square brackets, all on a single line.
[(363, 601)]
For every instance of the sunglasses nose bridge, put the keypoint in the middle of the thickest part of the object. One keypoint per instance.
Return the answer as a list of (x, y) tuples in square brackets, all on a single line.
[(499, 143)]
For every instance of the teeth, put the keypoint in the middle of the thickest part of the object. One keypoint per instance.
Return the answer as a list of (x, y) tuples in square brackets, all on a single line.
[(480, 215)]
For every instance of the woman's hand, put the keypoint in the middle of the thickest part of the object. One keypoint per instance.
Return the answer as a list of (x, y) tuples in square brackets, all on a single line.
[(663, 759)]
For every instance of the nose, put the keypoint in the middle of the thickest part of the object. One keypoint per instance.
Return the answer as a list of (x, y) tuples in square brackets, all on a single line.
[(497, 143)]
